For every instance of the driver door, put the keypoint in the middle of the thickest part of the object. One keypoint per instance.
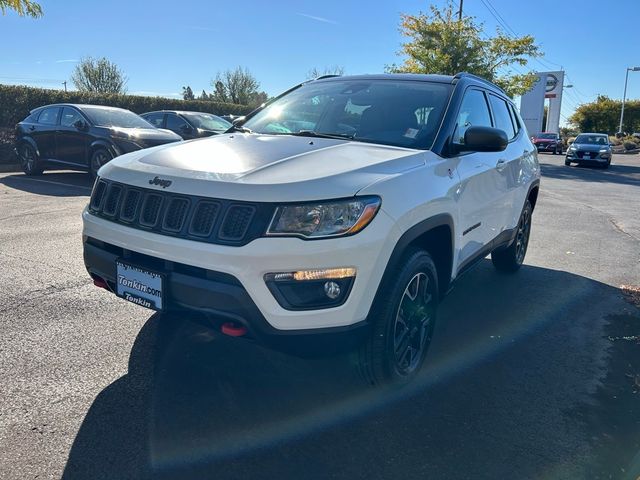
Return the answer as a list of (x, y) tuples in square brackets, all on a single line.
[(72, 143)]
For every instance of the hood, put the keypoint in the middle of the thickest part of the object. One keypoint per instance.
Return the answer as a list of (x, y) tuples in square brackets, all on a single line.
[(145, 134), (264, 167)]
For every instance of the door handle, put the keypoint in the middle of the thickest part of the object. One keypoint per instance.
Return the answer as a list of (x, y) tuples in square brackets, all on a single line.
[(501, 164)]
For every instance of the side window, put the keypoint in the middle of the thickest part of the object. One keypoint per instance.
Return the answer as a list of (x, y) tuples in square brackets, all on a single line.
[(174, 122), (155, 119), (69, 117), (514, 119), (49, 116), (474, 112), (502, 116)]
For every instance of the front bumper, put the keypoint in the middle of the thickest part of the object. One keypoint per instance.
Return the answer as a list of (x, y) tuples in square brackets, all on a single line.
[(547, 147), (594, 157), (244, 268)]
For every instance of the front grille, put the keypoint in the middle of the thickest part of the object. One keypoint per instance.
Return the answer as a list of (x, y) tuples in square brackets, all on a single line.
[(203, 219), (236, 221), (592, 155)]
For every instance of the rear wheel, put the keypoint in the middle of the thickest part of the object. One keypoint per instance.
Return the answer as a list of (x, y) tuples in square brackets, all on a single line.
[(98, 159), (510, 259), (29, 160), (402, 323)]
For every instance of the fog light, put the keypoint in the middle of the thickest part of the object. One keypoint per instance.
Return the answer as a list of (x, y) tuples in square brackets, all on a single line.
[(311, 289), (332, 289)]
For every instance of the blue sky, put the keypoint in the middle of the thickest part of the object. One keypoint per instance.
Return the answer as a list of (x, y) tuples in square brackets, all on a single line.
[(164, 45)]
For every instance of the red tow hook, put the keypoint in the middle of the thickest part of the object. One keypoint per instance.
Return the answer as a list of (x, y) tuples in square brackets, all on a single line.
[(233, 329), (100, 282)]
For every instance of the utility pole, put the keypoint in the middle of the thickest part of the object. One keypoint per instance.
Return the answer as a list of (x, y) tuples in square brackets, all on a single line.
[(460, 11), (65, 85), (624, 95)]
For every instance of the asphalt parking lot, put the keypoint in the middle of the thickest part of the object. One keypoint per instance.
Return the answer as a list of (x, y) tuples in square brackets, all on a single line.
[(523, 379)]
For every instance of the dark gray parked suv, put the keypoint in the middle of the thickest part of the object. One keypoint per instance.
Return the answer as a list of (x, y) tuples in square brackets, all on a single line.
[(590, 148)]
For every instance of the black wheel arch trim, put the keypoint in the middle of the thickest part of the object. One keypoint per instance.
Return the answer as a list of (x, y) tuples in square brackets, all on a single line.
[(29, 141), (407, 238), (100, 143)]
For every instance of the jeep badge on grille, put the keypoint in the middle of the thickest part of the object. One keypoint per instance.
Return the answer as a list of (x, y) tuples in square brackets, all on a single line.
[(159, 181)]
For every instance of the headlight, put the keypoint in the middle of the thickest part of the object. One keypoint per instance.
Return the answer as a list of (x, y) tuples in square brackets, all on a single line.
[(604, 150), (573, 149), (324, 219)]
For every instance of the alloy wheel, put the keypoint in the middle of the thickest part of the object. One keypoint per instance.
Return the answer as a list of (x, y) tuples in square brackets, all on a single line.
[(412, 328), (522, 237)]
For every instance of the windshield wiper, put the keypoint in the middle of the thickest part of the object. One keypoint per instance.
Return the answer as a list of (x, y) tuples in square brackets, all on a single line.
[(238, 128), (311, 133)]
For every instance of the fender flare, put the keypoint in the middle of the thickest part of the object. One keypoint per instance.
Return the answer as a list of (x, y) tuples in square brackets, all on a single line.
[(100, 143), (31, 142), (408, 237)]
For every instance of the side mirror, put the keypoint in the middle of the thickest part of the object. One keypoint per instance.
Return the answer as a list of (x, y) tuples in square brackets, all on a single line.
[(186, 129), (483, 139), (80, 125)]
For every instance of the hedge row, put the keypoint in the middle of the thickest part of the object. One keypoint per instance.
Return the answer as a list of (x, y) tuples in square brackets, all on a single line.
[(17, 101)]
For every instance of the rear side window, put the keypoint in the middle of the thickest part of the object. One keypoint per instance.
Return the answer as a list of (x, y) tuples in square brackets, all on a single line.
[(474, 112), (502, 116), (517, 121), (49, 116)]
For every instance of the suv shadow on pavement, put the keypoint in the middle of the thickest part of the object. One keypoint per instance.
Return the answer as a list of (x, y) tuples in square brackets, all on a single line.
[(620, 174), (511, 366), (62, 184)]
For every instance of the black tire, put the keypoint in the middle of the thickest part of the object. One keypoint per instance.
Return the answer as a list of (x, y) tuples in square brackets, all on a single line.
[(567, 163), (510, 259), (99, 157), (398, 342), (555, 151), (29, 160)]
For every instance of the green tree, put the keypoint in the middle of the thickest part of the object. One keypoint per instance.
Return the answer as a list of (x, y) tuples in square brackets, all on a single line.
[(438, 42), (237, 86), (22, 7), (316, 72), (99, 76), (187, 93), (603, 115)]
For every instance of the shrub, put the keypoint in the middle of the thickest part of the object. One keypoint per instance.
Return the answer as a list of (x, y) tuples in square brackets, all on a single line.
[(630, 145), (571, 140), (7, 141), (18, 101)]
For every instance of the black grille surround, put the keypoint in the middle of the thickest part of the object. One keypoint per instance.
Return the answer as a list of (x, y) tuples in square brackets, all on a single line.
[(204, 219)]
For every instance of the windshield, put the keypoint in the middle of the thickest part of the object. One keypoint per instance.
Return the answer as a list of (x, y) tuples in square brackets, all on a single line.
[(206, 121), (592, 139), (399, 113), (115, 117), (547, 136)]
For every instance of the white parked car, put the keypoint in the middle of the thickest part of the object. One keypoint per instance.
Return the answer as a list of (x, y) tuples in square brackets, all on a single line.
[(338, 215)]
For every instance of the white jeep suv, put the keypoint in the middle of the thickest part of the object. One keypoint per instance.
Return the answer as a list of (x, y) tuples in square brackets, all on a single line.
[(336, 216)]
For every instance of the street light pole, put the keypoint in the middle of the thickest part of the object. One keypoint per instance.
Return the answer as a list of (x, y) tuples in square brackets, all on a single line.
[(624, 95)]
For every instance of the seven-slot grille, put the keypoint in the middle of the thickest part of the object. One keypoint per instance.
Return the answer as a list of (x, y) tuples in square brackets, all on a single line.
[(197, 218)]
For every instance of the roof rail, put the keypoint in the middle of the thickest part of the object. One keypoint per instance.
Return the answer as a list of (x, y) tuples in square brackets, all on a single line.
[(460, 75), (327, 76)]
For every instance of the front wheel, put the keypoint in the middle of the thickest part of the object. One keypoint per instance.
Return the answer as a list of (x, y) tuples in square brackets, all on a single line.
[(98, 159), (567, 163), (402, 323), (29, 160), (510, 259)]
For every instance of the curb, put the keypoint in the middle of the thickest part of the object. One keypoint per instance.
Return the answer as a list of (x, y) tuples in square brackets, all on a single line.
[(10, 167)]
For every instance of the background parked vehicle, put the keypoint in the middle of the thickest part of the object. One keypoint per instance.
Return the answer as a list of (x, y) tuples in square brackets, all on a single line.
[(82, 137), (188, 125), (591, 148), (548, 142)]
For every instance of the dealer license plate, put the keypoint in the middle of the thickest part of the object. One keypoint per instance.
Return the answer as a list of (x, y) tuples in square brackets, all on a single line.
[(587, 156), (139, 285)]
